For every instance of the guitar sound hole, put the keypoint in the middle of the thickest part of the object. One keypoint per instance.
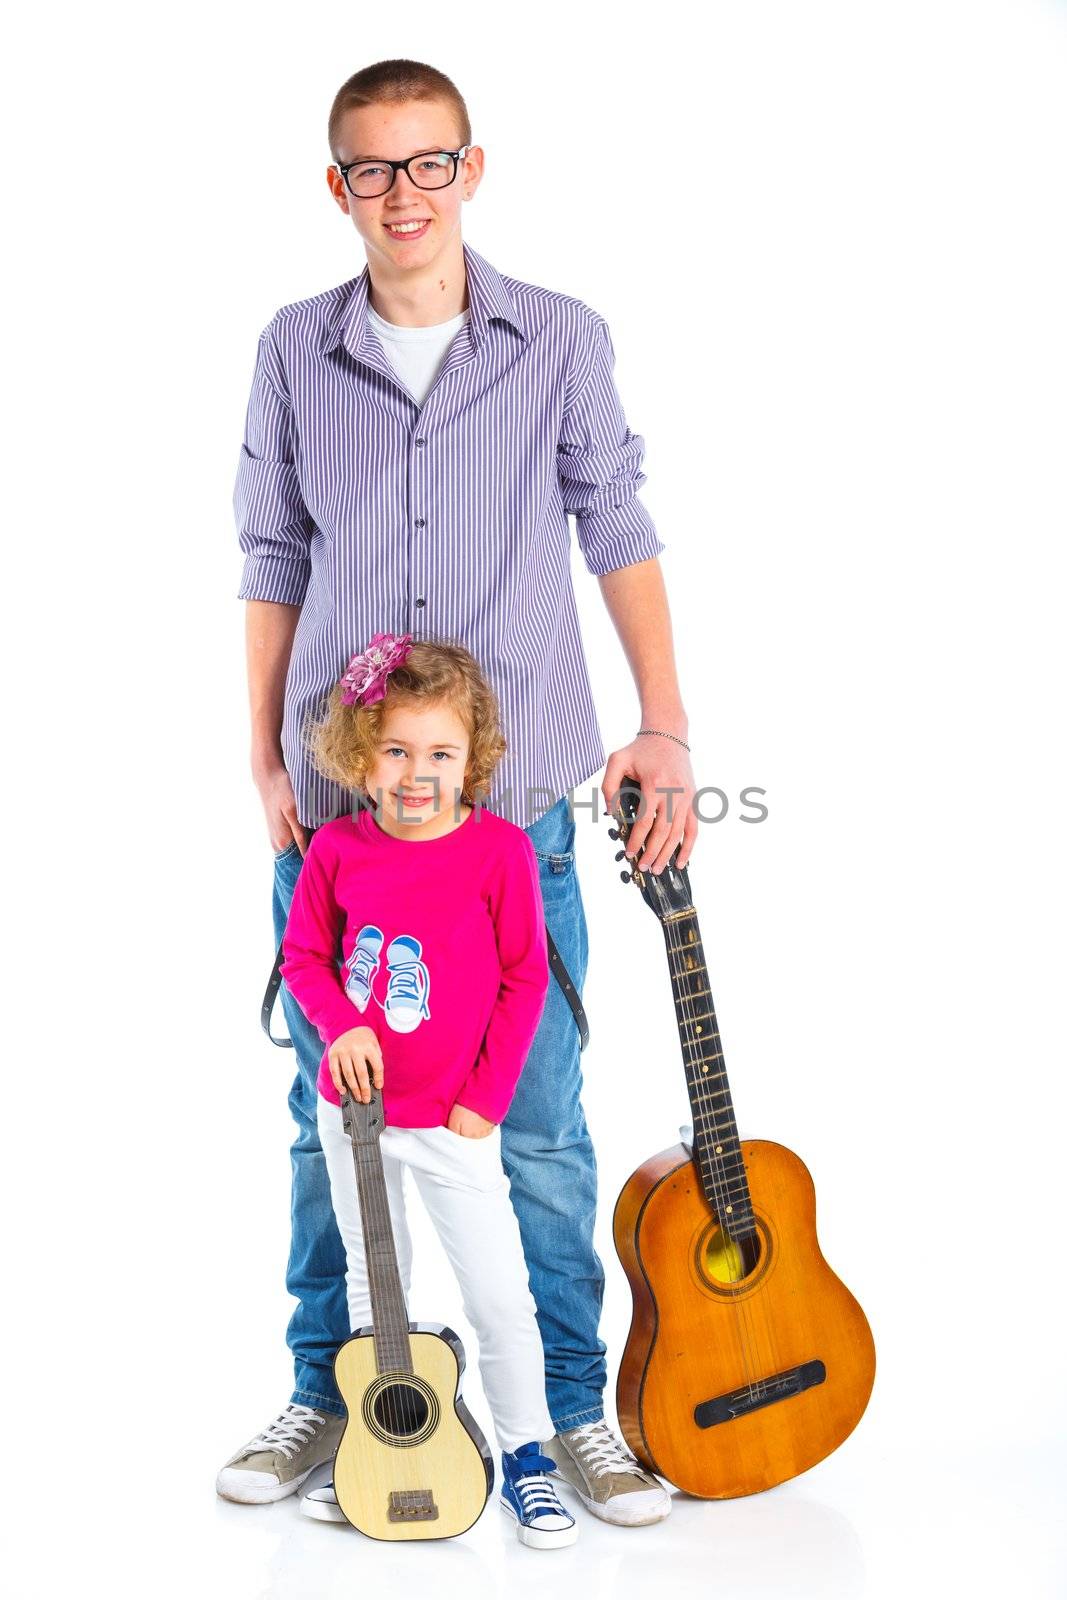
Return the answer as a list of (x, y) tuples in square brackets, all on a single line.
[(401, 1410), (725, 1260)]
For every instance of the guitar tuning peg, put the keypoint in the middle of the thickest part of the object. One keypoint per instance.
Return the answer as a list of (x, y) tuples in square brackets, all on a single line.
[(620, 855), (613, 833), (625, 876)]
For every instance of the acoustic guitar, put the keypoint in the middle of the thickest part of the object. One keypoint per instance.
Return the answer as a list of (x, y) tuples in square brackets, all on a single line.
[(412, 1462), (747, 1359)]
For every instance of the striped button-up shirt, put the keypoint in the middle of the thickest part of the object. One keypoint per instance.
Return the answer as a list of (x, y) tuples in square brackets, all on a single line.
[(447, 520)]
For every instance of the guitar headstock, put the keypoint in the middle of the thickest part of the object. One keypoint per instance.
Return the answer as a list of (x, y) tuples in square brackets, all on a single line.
[(363, 1121), (664, 891)]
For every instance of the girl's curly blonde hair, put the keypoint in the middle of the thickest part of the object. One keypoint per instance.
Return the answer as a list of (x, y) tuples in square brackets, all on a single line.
[(342, 740)]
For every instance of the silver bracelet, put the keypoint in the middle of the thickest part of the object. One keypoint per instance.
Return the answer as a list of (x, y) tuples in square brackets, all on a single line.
[(661, 735)]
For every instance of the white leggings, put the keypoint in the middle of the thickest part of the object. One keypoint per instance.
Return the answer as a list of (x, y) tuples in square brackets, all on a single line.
[(466, 1191)]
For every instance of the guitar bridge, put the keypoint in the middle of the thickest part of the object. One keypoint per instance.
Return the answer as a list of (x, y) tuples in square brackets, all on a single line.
[(412, 1505), (761, 1392)]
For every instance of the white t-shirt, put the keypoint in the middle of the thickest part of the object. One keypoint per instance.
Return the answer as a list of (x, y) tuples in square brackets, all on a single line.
[(416, 355)]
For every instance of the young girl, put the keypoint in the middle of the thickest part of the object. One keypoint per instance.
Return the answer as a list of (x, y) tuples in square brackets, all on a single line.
[(436, 1000)]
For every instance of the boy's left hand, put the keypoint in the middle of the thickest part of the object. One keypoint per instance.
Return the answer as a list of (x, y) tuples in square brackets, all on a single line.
[(469, 1124)]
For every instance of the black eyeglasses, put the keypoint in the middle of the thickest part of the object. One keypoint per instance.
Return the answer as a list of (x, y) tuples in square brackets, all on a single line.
[(428, 169)]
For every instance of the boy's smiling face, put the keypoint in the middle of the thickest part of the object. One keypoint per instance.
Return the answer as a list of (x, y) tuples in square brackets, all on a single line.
[(396, 131)]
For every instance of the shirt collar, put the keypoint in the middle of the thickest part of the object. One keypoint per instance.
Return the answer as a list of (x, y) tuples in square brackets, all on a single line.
[(488, 300)]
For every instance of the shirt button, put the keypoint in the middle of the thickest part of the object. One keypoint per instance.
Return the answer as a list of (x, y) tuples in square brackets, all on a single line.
[(420, 444), (420, 522), (420, 601)]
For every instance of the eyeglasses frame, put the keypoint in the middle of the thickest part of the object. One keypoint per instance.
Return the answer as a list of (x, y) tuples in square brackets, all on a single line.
[(402, 166)]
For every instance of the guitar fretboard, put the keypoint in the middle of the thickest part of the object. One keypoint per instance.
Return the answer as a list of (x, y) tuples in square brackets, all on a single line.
[(392, 1346), (716, 1145)]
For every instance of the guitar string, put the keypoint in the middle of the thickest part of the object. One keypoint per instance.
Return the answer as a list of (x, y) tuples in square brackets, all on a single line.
[(745, 1327), (399, 1400), (705, 1108), (403, 1411), (381, 1332), (754, 1305), (401, 1394), (367, 1218), (397, 1403), (687, 1023), (751, 1307)]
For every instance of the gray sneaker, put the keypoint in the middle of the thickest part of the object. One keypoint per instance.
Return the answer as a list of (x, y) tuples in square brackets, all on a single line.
[(607, 1478), (276, 1462)]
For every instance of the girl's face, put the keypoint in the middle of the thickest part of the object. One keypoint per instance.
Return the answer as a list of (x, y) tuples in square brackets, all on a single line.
[(415, 780)]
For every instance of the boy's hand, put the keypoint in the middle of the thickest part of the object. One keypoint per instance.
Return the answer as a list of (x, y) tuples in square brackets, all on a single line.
[(355, 1060), (469, 1123)]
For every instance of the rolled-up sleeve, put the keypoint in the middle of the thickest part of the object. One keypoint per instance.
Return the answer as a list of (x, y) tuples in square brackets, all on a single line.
[(599, 463), (274, 527)]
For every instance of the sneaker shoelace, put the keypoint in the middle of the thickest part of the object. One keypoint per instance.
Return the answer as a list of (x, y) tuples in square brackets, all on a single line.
[(295, 1427), (404, 982), (601, 1450), (361, 964), (537, 1495)]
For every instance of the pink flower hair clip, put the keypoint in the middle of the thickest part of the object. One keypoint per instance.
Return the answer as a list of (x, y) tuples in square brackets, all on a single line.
[(363, 680)]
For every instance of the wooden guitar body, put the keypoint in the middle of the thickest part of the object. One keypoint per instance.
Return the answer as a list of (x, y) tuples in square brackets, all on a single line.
[(412, 1462), (736, 1376)]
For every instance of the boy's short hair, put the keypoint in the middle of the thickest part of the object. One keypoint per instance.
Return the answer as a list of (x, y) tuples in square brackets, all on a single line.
[(395, 81)]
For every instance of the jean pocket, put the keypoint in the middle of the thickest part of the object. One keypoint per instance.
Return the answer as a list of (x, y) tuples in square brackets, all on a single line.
[(280, 855), (557, 862)]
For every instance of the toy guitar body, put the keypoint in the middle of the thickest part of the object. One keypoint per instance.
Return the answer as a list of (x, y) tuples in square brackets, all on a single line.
[(747, 1360), (412, 1462)]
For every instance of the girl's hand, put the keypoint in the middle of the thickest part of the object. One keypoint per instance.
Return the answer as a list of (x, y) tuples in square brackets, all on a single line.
[(468, 1123), (355, 1059)]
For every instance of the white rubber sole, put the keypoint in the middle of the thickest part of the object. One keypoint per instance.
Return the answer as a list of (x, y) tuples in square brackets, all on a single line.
[(637, 1517), (254, 1494), (321, 1510), (541, 1539)]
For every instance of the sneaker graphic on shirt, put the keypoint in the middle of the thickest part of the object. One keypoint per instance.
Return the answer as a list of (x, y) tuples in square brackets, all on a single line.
[(362, 964), (409, 984)]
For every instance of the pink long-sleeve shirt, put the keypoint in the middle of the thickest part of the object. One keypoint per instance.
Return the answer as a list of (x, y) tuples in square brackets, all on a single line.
[(442, 953)]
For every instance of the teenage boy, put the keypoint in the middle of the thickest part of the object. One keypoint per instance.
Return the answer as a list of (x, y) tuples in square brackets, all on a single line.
[(415, 441)]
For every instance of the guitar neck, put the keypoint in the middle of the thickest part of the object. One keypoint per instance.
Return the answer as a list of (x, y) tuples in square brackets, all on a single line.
[(716, 1145), (392, 1346)]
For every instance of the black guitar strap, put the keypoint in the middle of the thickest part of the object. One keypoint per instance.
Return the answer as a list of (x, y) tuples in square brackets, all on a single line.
[(555, 961)]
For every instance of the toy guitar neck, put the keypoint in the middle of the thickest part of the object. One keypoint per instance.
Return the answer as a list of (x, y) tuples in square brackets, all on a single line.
[(364, 1123)]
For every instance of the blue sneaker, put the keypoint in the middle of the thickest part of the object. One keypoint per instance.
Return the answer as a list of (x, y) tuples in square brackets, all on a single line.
[(528, 1496)]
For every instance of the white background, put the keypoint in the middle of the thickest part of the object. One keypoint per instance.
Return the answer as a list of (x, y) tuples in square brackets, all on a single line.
[(829, 241)]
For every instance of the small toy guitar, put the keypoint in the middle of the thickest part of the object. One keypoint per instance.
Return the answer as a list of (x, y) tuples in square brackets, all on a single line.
[(412, 1462), (747, 1359)]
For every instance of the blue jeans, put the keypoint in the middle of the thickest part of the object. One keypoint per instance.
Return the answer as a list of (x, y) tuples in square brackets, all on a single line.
[(547, 1155)]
